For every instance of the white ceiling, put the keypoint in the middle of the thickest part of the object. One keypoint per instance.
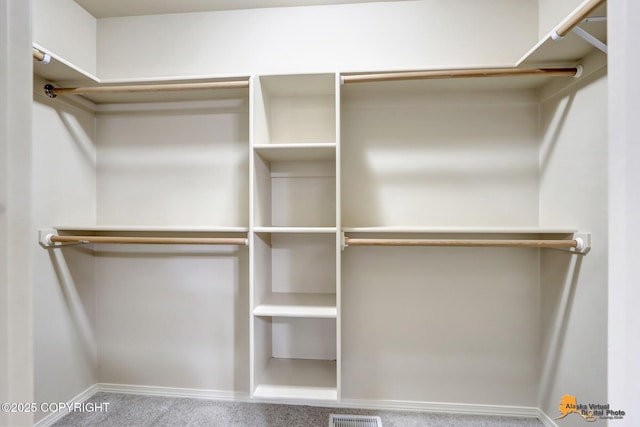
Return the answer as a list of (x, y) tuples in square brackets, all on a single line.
[(113, 8)]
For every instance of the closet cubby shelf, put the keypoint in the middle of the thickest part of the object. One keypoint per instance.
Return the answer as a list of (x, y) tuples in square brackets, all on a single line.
[(296, 151), (298, 379), (298, 305)]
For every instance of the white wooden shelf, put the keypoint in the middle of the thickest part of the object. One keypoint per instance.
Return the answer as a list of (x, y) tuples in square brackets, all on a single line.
[(294, 230), (298, 305), (298, 379), (65, 74), (296, 152), (570, 49), (60, 70)]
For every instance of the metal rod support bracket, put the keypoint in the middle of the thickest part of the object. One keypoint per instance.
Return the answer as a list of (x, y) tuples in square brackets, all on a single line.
[(590, 39)]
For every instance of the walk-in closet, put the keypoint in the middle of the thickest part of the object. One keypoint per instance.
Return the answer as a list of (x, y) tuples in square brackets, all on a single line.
[(353, 204)]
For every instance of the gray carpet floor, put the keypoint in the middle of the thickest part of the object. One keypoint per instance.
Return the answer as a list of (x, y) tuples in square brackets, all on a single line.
[(141, 411)]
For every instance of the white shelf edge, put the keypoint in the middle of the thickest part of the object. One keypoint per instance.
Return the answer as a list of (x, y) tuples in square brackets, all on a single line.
[(309, 230), (298, 305), (269, 310), (294, 145), (153, 228), (266, 391), (463, 230), (295, 152), (177, 79)]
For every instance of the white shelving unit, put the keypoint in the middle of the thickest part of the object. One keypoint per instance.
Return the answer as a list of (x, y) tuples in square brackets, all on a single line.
[(295, 258)]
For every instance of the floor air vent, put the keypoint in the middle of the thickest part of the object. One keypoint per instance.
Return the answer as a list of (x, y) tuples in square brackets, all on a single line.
[(354, 421)]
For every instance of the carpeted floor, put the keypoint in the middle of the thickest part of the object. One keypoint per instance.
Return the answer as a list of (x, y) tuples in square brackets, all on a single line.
[(140, 411)]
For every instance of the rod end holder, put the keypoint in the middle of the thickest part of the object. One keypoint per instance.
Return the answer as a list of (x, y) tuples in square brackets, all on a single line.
[(583, 243), (50, 90), (44, 238), (579, 71), (555, 36), (46, 59)]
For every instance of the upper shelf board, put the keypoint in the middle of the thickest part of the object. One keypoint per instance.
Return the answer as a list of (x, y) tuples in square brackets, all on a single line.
[(118, 8), (571, 48), (61, 71)]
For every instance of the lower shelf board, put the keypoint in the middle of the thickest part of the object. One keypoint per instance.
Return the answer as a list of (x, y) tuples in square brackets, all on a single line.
[(298, 379)]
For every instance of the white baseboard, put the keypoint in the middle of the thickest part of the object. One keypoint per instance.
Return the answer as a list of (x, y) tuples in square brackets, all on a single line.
[(172, 392), (546, 419), (394, 405), (442, 408), (55, 416)]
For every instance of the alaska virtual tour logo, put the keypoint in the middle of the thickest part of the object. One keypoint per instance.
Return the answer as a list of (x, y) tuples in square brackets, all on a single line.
[(590, 412)]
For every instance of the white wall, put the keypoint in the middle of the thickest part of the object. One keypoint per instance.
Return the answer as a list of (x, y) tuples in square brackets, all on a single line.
[(174, 316), (415, 157), (16, 231), (67, 30), (64, 175), (624, 209), (4, 223), (440, 324), (573, 190), (185, 167), (367, 36)]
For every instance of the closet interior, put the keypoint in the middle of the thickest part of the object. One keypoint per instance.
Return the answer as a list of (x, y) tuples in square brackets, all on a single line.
[(324, 237)]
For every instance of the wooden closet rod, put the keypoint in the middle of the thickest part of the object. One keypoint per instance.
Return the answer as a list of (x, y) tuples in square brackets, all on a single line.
[(449, 74), (503, 243), (585, 10), (39, 56), (51, 239), (52, 91)]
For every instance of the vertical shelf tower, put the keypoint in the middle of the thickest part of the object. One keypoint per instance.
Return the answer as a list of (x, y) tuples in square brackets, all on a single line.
[(294, 232)]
